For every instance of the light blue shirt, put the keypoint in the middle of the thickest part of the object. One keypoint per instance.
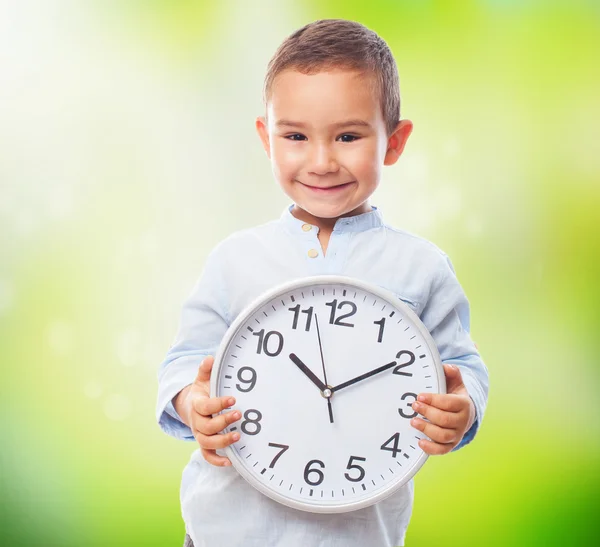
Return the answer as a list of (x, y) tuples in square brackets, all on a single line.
[(219, 507)]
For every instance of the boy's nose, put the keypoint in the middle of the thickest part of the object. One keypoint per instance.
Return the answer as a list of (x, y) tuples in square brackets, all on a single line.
[(323, 161)]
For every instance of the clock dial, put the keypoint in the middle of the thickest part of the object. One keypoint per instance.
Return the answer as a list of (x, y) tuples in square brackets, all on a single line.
[(325, 371)]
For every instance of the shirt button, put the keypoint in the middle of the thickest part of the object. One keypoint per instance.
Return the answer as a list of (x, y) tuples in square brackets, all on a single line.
[(306, 227), (313, 253)]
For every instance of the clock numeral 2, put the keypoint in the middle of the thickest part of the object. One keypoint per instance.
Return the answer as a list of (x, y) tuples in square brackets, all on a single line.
[(283, 447), (308, 471), (254, 422), (395, 439), (411, 360), (263, 342), (408, 404), (335, 306), (361, 471), (296, 310)]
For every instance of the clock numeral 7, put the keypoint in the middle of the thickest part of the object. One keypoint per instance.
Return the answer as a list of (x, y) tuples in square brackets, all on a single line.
[(296, 310), (335, 306), (263, 342), (361, 471), (283, 447)]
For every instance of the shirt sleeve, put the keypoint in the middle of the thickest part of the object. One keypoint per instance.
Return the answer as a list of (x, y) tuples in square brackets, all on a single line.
[(447, 317), (203, 324)]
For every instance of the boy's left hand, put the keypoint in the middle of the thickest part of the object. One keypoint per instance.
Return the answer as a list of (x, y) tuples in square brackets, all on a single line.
[(450, 415)]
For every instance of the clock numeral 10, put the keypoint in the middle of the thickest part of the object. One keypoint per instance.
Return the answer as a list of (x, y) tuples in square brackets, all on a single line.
[(335, 306), (263, 342), (296, 310), (308, 471), (394, 439)]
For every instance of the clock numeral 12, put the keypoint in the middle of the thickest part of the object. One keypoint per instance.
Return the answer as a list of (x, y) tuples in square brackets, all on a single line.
[(263, 342), (335, 306), (296, 310)]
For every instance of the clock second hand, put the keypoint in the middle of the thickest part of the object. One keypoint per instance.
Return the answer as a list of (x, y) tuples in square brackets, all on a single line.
[(324, 373)]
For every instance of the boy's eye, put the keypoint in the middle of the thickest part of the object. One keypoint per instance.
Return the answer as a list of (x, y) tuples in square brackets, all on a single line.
[(296, 137), (347, 138)]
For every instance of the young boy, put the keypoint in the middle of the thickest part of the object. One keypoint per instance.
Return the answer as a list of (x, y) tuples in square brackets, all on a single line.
[(332, 122)]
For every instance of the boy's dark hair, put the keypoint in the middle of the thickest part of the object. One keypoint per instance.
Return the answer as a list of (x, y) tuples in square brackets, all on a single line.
[(340, 44)]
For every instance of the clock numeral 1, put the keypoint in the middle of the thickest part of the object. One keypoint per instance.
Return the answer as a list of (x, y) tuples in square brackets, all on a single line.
[(408, 405), (251, 381), (283, 447), (361, 471), (395, 439), (335, 306), (254, 422), (411, 360), (308, 471), (296, 310), (263, 342), (381, 324)]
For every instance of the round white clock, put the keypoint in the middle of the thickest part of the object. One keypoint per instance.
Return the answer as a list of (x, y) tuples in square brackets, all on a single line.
[(325, 370)]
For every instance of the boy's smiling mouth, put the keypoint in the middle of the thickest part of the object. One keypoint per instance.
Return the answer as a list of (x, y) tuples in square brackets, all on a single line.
[(327, 189)]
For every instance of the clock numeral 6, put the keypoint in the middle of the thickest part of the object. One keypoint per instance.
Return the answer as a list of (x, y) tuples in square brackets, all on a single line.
[(255, 426), (395, 439), (411, 360), (263, 342), (308, 471), (251, 381), (408, 405), (361, 471), (334, 305)]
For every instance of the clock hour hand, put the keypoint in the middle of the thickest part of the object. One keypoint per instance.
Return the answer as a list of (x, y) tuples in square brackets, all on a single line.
[(363, 376), (314, 379)]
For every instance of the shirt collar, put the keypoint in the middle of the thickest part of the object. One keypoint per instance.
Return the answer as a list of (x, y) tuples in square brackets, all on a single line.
[(357, 223)]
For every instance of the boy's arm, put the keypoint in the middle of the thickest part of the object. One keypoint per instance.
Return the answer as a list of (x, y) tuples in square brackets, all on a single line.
[(204, 321), (446, 315)]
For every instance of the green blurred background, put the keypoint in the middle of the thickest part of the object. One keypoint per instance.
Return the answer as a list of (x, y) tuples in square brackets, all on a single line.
[(127, 151)]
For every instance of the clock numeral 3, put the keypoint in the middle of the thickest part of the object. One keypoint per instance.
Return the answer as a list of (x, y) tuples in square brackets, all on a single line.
[(411, 360), (395, 439), (251, 381), (335, 306), (283, 447), (308, 471), (361, 471), (296, 310), (254, 422), (263, 342), (408, 405)]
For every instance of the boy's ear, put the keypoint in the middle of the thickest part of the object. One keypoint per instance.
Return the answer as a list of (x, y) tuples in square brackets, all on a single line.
[(396, 142), (263, 133)]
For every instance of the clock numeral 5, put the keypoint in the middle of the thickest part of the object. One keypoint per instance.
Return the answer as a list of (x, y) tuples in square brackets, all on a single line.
[(411, 360), (254, 422), (408, 405), (394, 439), (251, 381), (335, 306), (308, 471), (283, 447), (263, 342), (296, 310), (361, 471)]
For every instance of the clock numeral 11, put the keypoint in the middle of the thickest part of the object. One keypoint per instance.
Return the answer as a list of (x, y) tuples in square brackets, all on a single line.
[(308, 312)]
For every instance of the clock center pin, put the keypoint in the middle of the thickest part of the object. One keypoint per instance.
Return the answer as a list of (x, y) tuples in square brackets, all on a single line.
[(327, 393)]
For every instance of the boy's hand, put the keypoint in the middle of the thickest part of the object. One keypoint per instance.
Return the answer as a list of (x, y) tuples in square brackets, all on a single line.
[(197, 408), (450, 415)]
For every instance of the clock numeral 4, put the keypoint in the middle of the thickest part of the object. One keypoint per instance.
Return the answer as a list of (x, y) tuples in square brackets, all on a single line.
[(351, 465), (335, 306), (297, 311), (408, 405), (251, 426), (308, 471), (283, 447), (263, 342), (411, 360), (394, 440), (251, 380)]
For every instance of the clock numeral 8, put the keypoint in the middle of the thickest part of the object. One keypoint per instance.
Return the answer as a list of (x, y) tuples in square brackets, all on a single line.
[(308, 471), (256, 427)]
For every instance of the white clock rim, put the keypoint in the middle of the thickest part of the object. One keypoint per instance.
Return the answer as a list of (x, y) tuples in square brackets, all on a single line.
[(261, 300)]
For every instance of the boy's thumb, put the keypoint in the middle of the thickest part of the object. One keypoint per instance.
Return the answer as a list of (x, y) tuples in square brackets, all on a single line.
[(453, 378), (204, 369)]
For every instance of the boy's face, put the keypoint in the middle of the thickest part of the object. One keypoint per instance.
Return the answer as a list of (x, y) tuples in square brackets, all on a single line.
[(327, 141)]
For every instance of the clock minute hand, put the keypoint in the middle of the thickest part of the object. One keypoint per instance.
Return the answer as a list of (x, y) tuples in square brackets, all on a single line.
[(363, 376), (314, 379)]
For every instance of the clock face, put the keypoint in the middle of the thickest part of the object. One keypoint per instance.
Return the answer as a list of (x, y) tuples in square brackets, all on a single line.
[(325, 370)]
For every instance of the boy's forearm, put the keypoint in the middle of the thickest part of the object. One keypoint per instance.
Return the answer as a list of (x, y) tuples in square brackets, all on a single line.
[(179, 404)]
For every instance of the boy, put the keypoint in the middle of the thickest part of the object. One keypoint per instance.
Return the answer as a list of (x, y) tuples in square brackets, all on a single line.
[(332, 121)]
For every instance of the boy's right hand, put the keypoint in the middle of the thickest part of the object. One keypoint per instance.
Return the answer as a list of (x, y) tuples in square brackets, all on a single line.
[(197, 408)]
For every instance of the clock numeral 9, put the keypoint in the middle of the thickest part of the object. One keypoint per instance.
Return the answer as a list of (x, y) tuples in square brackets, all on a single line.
[(263, 342), (308, 471), (411, 360), (254, 422), (296, 310), (334, 305), (395, 439), (251, 381), (361, 471), (408, 405)]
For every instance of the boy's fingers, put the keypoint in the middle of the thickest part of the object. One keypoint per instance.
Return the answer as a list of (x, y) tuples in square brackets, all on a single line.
[(449, 402), (435, 433), (220, 422), (447, 420), (434, 449), (212, 405), (204, 369), (216, 441), (213, 458)]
